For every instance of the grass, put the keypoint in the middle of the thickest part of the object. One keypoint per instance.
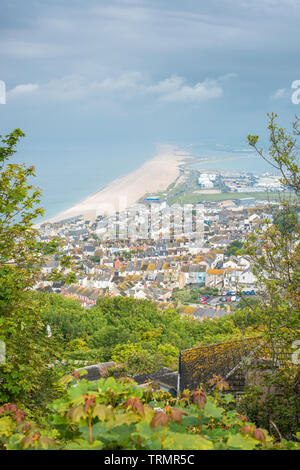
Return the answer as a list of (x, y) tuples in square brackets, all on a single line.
[(191, 198)]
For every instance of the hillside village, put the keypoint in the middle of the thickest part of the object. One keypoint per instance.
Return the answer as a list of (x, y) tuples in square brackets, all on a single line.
[(156, 267)]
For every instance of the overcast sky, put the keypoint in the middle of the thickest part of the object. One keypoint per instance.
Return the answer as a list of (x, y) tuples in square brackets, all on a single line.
[(97, 84)]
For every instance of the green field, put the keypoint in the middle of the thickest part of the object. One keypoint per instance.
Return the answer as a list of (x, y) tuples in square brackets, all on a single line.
[(191, 198)]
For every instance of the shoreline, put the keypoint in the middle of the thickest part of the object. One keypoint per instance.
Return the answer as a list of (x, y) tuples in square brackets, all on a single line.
[(153, 176)]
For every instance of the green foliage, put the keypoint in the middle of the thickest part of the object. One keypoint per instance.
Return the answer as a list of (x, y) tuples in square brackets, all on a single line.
[(234, 248), (119, 326), (95, 258), (283, 153), (274, 249), (274, 403), (286, 219), (22, 254), (246, 317), (190, 295), (116, 414)]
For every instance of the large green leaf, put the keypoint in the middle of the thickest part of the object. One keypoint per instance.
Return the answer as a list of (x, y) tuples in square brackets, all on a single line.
[(211, 410), (238, 441), (181, 441)]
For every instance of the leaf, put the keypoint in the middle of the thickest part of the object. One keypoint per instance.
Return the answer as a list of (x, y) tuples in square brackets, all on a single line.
[(121, 435), (26, 442), (82, 444), (180, 441), (228, 398), (211, 410), (78, 390), (65, 380), (151, 439), (160, 419), (120, 419), (199, 398), (76, 414), (98, 429), (259, 435), (237, 441), (148, 414), (45, 442), (7, 426), (176, 415), (102, 412), (135, 404)]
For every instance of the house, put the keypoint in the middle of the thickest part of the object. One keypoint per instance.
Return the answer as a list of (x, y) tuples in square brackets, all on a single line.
[(232, 262), (193, 274), (49, 265), (209, 313), (239, 278), (214, 278), (117, 264), (247, 278), (88, 250), (86, 296), (232, 278)]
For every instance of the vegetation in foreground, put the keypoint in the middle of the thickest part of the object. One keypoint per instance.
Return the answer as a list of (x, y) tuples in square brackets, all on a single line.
[(116, 414)]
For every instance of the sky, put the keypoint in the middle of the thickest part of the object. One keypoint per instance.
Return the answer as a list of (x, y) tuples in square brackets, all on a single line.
[(96, 85)]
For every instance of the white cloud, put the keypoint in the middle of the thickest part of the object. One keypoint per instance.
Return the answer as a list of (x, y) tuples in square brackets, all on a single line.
[(200, 92), (167, 85), (280, 93), (32, 49), (20, 90), (128, 85)]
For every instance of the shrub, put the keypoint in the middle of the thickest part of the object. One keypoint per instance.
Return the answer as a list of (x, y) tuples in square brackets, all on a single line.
[(117, 414)]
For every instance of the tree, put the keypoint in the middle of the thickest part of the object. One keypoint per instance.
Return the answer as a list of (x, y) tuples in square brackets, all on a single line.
[(286, 219), (234, 248), (22, 254), (274, 248), (283, 153)]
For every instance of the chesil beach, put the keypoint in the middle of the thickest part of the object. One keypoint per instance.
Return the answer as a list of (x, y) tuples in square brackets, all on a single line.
[(153, 176)]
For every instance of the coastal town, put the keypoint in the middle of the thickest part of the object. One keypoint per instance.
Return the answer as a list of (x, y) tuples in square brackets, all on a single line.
[(185, 255)]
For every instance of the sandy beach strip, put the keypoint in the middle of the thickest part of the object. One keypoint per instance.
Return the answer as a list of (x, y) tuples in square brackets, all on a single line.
[(153, 176)]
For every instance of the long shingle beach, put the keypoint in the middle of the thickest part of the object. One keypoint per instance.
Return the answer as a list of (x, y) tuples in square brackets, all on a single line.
[(153, 176)]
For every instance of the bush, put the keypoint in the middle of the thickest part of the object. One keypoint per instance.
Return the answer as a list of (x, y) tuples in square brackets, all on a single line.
[(116, 414), (274, 403)]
